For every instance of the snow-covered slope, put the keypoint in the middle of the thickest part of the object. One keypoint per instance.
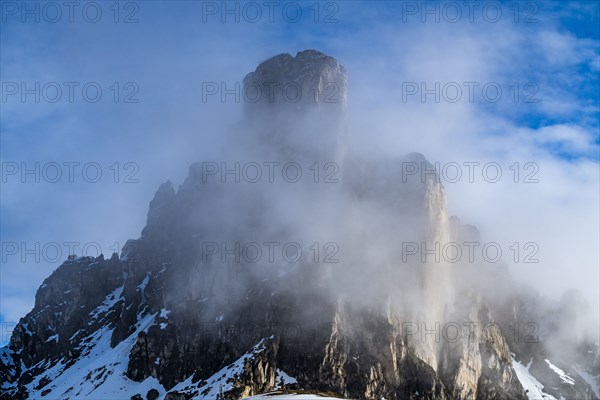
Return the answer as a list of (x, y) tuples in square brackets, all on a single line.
[(99, 373), (532, 386), (542, 379), (225, 379)]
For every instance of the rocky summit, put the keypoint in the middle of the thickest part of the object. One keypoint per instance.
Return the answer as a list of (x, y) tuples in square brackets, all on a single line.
[(296, 285)]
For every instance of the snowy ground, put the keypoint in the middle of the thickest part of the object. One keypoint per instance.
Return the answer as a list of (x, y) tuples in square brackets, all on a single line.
[(275, 396)]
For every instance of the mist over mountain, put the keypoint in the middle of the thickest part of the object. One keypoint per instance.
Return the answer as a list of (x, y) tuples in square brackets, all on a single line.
[(293, 263)]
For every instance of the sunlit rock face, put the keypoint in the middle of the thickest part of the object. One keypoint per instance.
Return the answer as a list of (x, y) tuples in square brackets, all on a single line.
[(176, 316)]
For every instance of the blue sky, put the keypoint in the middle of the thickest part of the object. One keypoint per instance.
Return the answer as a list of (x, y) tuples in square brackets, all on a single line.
[(162, 60)]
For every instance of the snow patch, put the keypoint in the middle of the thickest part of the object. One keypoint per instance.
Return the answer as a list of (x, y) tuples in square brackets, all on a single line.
[(563, 375), (51, 338), (142, 286), (285, 378), (26, 327), (164, 312)]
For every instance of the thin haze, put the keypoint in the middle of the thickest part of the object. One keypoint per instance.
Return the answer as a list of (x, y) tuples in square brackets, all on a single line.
[(171, 52)]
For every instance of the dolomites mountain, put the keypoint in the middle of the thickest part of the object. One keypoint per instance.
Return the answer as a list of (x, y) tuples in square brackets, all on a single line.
[(206, 304)]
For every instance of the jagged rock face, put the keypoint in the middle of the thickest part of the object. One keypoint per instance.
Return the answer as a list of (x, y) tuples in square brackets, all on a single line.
[(165, 317), (63, 305)]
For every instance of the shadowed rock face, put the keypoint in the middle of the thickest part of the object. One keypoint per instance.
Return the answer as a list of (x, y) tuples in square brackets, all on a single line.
[(198, 326)]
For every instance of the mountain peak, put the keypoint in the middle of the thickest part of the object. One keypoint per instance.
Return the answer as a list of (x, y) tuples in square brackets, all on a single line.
[(310, 79)]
